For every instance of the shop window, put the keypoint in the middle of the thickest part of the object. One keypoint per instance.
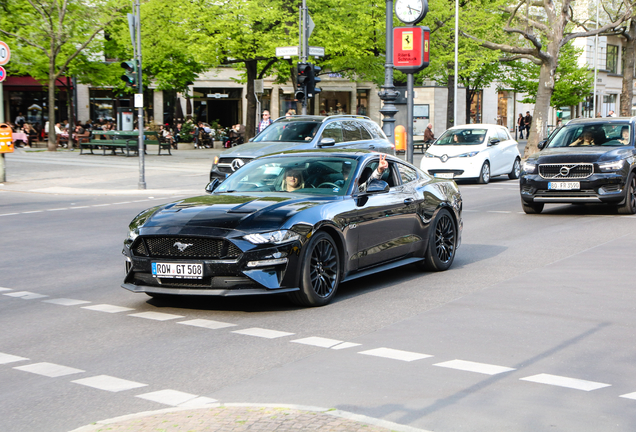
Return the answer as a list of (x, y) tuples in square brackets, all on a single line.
[(612, 58), (476, 107), (363, 102), (332, 103)]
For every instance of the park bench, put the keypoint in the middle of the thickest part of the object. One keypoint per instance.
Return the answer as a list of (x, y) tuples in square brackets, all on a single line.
[(124, 140)]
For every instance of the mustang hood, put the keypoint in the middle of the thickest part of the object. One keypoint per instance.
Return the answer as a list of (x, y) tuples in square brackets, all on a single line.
[(589, 154), (229, 212), (253, 150)]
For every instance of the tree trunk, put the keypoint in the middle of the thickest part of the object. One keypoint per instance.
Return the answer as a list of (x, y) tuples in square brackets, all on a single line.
[(539, 126), (52, 145), (628, 74), (450, 110), (470, 95), (250, 122)]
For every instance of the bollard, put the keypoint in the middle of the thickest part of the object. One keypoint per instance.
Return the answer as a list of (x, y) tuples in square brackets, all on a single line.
[(400, 139), (6, 146)]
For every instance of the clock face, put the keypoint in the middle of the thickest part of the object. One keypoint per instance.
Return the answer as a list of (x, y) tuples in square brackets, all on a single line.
[(410, 11)]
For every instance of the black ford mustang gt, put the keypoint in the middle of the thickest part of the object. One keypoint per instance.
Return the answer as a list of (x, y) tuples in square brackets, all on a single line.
[(298, 223)]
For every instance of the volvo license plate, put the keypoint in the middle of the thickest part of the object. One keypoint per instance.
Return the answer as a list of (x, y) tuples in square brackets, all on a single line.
[(564, 185), (445, 175), (177, 271)]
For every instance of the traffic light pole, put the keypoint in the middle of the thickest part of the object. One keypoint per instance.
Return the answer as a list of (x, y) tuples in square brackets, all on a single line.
[(302, 43), (140, 110)]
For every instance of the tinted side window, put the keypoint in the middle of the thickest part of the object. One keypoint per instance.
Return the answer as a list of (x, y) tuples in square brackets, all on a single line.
[(365, 133), (351, 131), (374, 129), (407, 174), (333, 130)]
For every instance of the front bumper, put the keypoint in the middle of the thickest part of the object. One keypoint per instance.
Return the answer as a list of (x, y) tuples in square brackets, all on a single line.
[(461, 168), (598, 188), (222, 276)]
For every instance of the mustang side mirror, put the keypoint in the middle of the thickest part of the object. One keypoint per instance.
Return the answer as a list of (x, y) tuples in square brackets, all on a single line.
[(542, 144), (494, 141), (209, 188), (377, 186), (326, 142)]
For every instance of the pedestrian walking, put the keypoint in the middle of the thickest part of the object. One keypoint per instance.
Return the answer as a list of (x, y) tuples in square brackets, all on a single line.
[(527, 122), (429, 136), (265, 122), (521, 125)]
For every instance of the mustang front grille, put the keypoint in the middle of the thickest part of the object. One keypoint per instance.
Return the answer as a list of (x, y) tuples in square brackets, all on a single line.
[(185, 247), (566, 171)]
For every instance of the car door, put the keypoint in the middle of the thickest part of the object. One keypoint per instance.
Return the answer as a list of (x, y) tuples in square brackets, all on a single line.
[(385, 221), (496, 153), (510, 151)]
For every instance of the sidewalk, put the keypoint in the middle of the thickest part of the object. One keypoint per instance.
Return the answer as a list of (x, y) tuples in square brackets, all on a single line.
[(246, 417)]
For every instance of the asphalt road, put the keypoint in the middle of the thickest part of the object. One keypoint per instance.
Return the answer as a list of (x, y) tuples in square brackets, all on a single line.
[(531, 329)]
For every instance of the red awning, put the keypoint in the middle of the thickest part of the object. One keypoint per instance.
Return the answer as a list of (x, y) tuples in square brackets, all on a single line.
[(26, 83)]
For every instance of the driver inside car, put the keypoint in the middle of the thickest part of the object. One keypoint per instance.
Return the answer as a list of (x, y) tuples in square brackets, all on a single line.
[(293, 180)]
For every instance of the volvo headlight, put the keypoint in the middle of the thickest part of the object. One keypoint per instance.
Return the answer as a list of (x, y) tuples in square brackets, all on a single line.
[(529, 167), (611, 166), (274, 237), (470, 154), (429, 155)]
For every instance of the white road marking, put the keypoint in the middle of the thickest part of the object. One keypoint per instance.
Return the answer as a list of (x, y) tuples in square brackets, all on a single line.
[(26, 295), (143, 200), (562, 381), (8, 358), (498, 211), (9, 214), (168, 397), (469, 366), (198, 401), (209, 324), (318, 341), (79, 207), (264, 333), (470, 211), (66, 302), (100, 205), (345, 345), (57, 209), (51, 370), (123, 202), (107, 308), (395, 354), (109, 383), (629, 396), (157, 316), (5, 289), (33, 211)]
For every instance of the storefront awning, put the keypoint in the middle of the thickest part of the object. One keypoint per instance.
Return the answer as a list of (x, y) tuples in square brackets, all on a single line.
[(26, 83)]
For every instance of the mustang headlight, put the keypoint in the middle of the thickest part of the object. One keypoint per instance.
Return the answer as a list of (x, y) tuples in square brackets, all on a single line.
[(429, 155), (471, 154), (611, 166), (275, 237), (529, 167), (133, 234)]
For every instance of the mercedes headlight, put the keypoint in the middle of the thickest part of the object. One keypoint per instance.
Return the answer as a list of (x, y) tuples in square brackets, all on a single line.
[(274, 237), (529, 167), (611, 166), (470, 154)]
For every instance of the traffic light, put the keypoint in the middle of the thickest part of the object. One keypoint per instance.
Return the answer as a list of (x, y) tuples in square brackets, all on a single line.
[(302, 80), (314, 79), (130, 77)]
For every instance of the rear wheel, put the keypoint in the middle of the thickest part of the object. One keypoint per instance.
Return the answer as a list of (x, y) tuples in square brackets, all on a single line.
[(532, 208), (442, 240), (516, 170), (484, 174), (629, 206), (320, 272)]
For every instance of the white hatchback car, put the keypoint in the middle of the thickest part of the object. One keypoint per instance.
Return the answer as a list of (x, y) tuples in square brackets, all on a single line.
[(476, 151)]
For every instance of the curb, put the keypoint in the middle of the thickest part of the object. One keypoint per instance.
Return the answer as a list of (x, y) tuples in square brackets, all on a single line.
[(358, 418)]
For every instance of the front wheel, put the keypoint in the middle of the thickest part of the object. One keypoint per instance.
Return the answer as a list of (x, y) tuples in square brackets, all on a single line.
[(516, 170), (320, 272), (442, 241), (629, 206), (484, 174), (532, 208)]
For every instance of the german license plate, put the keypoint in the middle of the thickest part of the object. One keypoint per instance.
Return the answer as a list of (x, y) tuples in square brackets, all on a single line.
[(177, 271), (564, 185), (444, 175)]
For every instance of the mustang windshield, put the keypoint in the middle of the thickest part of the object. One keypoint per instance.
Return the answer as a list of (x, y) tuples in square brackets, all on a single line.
[(297, 131), (308, 175), (462, 137), (595, 134)]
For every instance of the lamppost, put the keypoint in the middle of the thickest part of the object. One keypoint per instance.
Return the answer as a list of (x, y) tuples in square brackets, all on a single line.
[(388, 94)]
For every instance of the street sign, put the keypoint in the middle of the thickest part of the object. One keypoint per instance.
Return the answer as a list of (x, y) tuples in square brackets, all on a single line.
[(3, 74), (317, 51), (310, 25), (6, 139), (411, 48), (5, 53), (218, 95), (286, 51), (139, 100)]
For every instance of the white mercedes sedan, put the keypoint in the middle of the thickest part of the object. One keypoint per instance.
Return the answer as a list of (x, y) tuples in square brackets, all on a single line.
[(476, 151)]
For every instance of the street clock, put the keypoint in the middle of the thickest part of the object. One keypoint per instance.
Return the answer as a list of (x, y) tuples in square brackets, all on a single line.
[(411, 11)]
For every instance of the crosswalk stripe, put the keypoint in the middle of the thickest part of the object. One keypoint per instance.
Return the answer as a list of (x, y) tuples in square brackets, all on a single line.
[(109, 383), (66, 302), (107, 308), (8, 358), (395, 354), (470, 366), (318, 341), (205, 323), (168, 397), (50, 370), (562, 381), (157, 316), (264, 333)]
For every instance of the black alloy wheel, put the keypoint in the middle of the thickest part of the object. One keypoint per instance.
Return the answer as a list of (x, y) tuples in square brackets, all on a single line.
[(320, 272), (532, 208), (442, 239), (516, 170), (629, 206)]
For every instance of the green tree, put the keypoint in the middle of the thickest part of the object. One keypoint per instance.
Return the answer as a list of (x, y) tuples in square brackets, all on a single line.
[(47, 35)]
